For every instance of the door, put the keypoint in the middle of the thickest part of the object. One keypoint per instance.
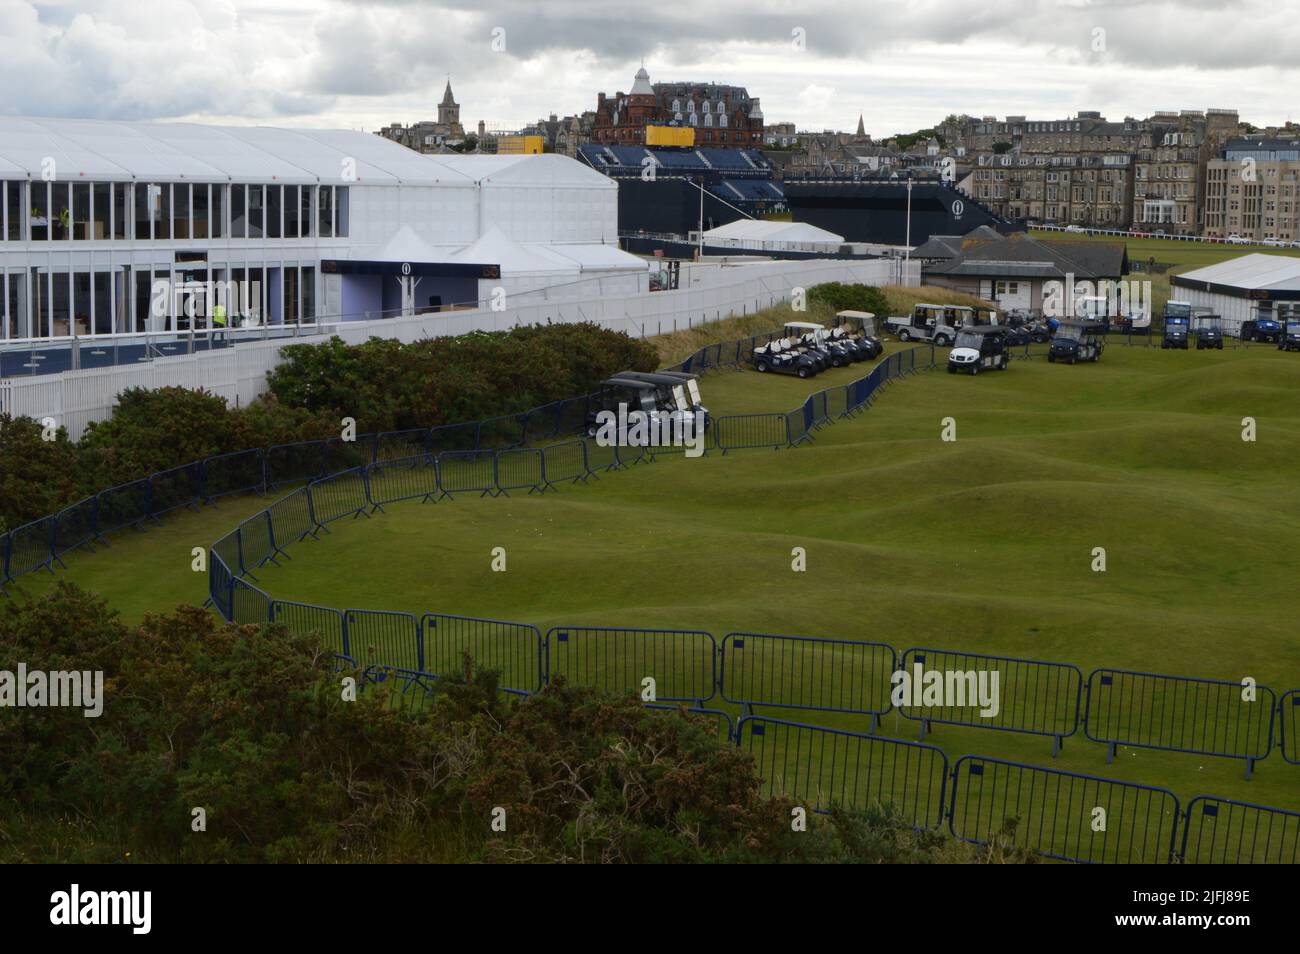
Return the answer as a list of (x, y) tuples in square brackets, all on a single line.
[(1012, 295)]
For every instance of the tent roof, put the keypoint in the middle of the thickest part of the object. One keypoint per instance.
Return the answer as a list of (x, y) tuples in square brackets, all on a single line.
[(770, 231), (406, 246), (495, 247), (1256, 270), (95, 149), (547, 169)]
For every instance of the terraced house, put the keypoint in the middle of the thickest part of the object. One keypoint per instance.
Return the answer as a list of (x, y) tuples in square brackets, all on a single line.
[(1252, 189)]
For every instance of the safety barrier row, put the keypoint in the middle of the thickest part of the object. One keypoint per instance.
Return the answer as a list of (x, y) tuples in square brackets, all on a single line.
[(1053, 813), (1115, 707), (752, 670), (466, 452), (1056, 814)]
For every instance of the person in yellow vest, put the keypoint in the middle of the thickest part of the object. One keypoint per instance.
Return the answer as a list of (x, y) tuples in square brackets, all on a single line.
[(219, 320)]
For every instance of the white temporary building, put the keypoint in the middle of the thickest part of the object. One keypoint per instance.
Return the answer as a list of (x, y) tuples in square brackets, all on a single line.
[(1242, 289), (96, 216), (766, 234)]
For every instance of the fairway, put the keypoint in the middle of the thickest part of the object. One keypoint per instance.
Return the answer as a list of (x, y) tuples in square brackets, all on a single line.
[(983, 544)]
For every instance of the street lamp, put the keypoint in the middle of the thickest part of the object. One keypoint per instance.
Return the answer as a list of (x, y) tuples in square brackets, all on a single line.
[(908, 240)]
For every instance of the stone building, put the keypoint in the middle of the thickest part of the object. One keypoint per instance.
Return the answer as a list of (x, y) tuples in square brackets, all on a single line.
[(1252, 189), (722, 116)]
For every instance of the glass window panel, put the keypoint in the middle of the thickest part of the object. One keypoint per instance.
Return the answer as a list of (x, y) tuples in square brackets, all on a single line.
[(326, 216), (256, 211), (304, 210), (199, 223), (80, 220), (217, 212), (274, 209), (39, 216)]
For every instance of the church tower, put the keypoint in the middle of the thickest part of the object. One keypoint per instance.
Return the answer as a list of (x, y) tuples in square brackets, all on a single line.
[(449, 112)]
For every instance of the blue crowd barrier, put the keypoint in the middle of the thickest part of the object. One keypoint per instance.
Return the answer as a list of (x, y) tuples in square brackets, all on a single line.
[(1063, 815), (806, 672), (1178, 713), (297, 463), (832, 768), (235, 473), (305, 619), (403, 478), (338, 496), (737, 431), (380, 637), (519, 469), (1034, 697), (1219, 831), (1288, 717), (683, 663), (516, 650)]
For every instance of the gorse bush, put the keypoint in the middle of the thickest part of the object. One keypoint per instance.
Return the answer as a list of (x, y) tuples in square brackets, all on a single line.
[(251, 724), (383, 385), (845, 297), (395, 386)]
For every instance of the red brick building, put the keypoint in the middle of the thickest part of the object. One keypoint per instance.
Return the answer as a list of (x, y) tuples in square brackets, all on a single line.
[(723, 116)]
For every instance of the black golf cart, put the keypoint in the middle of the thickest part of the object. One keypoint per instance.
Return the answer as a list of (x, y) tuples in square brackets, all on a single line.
[(1076, 341), (979, 348)]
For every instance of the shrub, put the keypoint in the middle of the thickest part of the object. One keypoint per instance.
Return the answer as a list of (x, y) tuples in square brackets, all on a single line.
[(36, 475), (844, 297)]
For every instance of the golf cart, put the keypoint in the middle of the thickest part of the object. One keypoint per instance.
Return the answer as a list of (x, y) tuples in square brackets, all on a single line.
[(1262, 329), (678, 391), (1075, 341), (815, 337), (1290, 339), (782, 356), (860, 328), (637, 395), (979, 348), (935, 323), (1208, 332), (1178, 320)]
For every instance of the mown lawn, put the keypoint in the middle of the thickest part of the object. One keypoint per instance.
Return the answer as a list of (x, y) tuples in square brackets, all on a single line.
[(983, 544)]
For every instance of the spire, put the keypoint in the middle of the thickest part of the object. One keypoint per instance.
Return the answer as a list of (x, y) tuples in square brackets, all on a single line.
[(447, 98), (641, 86), (862, 130)]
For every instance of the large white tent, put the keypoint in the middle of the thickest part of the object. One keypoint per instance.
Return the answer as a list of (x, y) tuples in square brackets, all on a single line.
[(1242, 288), (93, 212), (770, 234)]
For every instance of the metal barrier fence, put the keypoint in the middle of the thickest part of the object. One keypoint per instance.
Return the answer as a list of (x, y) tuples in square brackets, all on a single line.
[(1034, 697), (1201, 716), (806, 672), (682, 663), (1288, 717), (1062, 814), (1057, 814), (1220, 831), (826, 768)]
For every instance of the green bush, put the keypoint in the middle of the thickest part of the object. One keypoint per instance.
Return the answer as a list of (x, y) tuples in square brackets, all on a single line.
[(36, 475), (382, 384), (387, 385), (844, 297), (251, 724)]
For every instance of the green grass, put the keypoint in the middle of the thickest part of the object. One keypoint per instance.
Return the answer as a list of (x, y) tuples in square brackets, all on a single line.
[(981, 545)]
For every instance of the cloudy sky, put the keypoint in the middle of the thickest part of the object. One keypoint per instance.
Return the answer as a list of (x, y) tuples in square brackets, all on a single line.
[(819, 63)]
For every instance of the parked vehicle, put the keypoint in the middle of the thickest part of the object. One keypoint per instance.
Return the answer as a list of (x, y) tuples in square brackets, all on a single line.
[(678, 391), (1290, 339), (783, 357), (859, 326), (815, 337), (1262, 329), (1075, 228), (632, 392), (1209, 333), (1075, 341), (1176, 333), (1017, 337), (1235, 239), (979, 348), (935, 323)]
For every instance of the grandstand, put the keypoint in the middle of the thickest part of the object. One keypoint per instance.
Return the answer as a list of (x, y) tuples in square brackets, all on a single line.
[(737, 183)]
